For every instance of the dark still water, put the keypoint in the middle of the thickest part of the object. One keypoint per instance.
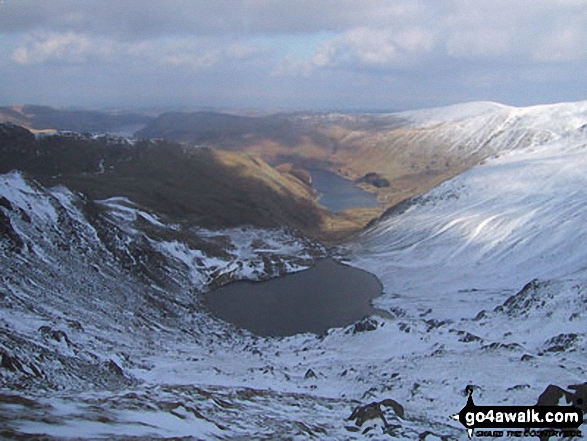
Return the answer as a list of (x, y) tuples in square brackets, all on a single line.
[(338, 193), (315, 300)]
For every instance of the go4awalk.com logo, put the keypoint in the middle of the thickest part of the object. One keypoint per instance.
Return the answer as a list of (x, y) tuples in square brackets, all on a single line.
[(519, 421)]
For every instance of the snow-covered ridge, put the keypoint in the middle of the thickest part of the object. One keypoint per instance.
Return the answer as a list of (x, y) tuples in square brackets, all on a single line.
[(554, 117), (31, 208), (485, 129), (69, 264), (454, 113)]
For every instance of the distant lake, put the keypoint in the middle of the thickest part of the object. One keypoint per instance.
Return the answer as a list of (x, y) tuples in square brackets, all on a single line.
[(338, 194), (328, 295)]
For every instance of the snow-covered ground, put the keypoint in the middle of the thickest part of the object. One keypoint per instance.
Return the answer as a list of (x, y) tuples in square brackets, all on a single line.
[(484, 277), (459, 257)]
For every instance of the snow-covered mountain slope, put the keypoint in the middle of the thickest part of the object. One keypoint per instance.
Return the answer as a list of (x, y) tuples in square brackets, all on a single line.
[(497, 127), (102, 334), (89, 289), (496, 258), (485, 282), (518, 216)]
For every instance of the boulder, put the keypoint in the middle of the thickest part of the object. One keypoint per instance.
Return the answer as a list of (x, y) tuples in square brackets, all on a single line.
[(310, 374)]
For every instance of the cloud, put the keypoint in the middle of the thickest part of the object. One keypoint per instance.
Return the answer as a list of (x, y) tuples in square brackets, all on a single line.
[(383, 47), (364, 47), (68, 47), (370, 32), (528, 30), (73, 48), (138, 19), (194, 61), (565, 43), (497, 31), (475, 48), (480, 43)]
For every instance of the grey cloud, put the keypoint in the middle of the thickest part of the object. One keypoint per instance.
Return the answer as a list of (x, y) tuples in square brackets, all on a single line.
[(407, 53), (466, 25), (73, 48), (497, 31), (459, 28), (149, 19)]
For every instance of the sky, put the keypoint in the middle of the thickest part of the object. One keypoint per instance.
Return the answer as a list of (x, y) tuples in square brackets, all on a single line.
[(365, 55)]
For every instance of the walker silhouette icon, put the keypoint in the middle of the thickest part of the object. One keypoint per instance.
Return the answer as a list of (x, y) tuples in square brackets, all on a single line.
[(469, 407), (558, 420)]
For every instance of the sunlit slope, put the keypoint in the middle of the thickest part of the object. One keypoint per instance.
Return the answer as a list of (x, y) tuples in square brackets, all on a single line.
[(467, 243), (414, 151), (418, 150)]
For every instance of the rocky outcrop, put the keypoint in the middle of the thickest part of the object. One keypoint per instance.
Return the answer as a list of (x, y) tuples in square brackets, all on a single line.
[(374, 179), (367, 324), (310, 374), (8, 234), (376, 411), (531, 296), (561, 343), (54, 334)]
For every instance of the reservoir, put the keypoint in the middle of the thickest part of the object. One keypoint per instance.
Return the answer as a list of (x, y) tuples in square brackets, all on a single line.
[(338, 194), (328, 295)]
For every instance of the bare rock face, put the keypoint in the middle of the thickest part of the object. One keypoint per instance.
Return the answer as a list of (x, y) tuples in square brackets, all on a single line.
[(8, 234), (9, 362)]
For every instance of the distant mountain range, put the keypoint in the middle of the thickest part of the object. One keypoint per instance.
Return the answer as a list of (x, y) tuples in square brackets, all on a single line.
[(39, 118)]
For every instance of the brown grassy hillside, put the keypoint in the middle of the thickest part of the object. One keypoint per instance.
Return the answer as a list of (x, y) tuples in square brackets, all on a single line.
[(197, 186), (412, 159)]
